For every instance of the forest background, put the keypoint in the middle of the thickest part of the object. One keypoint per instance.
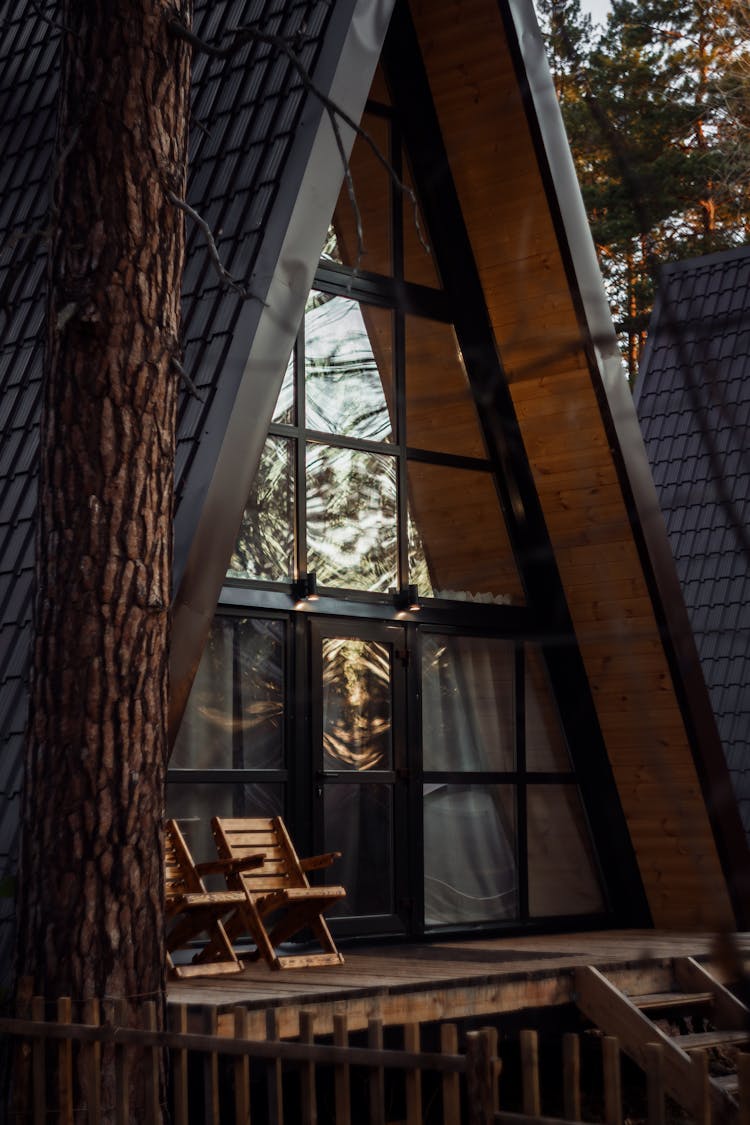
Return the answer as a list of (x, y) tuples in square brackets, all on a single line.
[(655, 95)]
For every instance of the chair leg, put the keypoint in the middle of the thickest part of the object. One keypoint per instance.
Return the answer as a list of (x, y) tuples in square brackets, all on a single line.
[(247, 920)]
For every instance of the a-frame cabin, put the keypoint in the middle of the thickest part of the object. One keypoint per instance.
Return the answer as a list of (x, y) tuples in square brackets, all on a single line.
[(523, 744)]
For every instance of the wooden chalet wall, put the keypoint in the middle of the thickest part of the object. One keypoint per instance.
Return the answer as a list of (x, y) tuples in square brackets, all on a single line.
[(534, 316)]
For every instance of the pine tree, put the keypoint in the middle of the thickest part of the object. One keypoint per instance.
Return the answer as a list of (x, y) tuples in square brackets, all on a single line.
[(659, 145)]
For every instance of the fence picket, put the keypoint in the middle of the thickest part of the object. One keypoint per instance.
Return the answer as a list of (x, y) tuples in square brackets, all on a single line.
[(39, 1065), (702, 1113), (479, 1072), (655, 1080), (22, 1055), (242, 1070), (341, 1077), (377, 1074), (151, 1068), (612, 1081), (273, 1074), (451, 1081), (571, 1054), (492, 1039), (532, 1102), (307, 1077), (210, 1072), (413, 1077), (743, 1093), (91, 1064), (122, 1083), (180, 1068), (65, 1064)]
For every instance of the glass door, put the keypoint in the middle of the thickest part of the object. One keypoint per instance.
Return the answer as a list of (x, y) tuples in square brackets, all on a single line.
[(360, 797)]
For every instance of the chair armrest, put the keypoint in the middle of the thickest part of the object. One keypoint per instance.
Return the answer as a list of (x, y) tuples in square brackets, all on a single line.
[(230, 866), (315, 862)]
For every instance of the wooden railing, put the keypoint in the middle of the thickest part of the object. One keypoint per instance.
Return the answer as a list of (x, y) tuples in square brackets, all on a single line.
[(308, 1082)]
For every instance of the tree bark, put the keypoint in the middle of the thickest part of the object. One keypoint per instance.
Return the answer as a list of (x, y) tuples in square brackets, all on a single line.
[(90, 911)]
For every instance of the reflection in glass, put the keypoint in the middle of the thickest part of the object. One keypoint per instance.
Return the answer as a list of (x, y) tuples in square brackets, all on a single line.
[(235, 713), (372, 186), (347, 368), (419, 570), (351, 518), (469, 854), (356, 704), (562, 872), (440, 410), (419, 263), (359, 824), (265, 543), (465, 550), (194, 805), (545, 743), (285, 412), (468, 711)]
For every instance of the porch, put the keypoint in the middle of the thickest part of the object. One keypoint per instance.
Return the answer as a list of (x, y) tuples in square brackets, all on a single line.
[(445, 980)]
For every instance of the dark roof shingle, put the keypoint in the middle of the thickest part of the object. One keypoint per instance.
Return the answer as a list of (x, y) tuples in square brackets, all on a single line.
[(693, 401)]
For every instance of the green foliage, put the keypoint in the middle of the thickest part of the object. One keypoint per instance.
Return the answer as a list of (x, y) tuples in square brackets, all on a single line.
[(657, 108)]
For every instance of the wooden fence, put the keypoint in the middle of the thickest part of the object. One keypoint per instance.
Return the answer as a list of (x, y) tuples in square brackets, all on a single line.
[(230, 1080)]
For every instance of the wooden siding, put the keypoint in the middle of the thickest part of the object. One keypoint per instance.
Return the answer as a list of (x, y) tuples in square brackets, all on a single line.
[(507, 214)]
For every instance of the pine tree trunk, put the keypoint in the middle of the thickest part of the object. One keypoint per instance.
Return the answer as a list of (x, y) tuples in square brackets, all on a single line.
[(90, 912)]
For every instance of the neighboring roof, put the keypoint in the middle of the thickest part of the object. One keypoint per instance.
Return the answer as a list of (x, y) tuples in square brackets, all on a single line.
[(693, 402)]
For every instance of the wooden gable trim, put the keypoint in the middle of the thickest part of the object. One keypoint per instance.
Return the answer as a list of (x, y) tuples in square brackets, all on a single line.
[(551, 368)]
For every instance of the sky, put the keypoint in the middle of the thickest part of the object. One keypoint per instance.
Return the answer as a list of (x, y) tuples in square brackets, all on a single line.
[(597, 9)]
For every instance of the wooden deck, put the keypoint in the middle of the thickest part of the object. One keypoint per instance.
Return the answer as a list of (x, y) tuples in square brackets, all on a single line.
[(442, 980)]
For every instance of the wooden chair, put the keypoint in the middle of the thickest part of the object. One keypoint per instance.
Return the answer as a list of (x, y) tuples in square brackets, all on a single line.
[(280, 900), (194, 910)]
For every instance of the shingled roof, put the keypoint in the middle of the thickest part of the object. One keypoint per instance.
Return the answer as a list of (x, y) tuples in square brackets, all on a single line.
[(244, 126), (693, 402)]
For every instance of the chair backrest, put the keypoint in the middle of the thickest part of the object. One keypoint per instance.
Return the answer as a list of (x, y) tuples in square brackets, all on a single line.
[(281, 869), (180, 876)]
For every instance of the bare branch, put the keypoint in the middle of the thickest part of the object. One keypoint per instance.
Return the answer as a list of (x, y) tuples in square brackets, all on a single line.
[(57, 24), (190, 385), (213, 250), (244, 35)]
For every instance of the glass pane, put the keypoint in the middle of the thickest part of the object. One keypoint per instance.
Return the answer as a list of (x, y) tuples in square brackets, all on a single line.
[(351, 518), (194, 805), (359, 824), (545, 743), (470, 854), (562, 872), (464, 551), (235, 714), (330, 251), (265, 543), (468, 720), (419, 264), (285, 412), (356, 704), (440, 411), (372, 189), (348, 368)]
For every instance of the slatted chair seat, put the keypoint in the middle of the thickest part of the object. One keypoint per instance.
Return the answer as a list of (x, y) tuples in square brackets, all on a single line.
[(192, 910), (280, 900)]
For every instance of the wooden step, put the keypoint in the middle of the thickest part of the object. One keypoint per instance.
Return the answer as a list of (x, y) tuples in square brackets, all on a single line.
[(665, 1000), (701, 1039), (728, 1082)]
